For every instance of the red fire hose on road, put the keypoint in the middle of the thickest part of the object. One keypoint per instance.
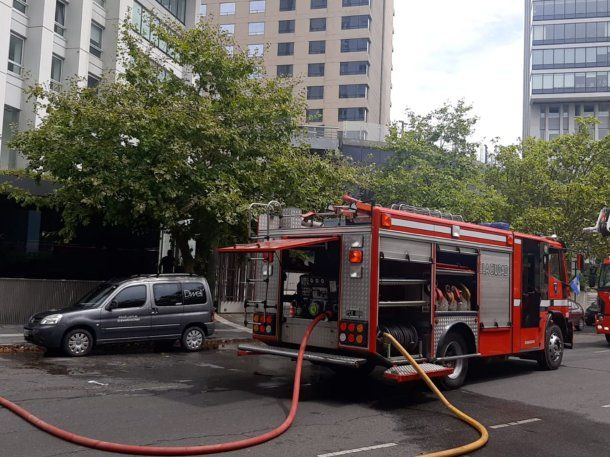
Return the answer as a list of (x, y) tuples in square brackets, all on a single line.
[(187, 450)]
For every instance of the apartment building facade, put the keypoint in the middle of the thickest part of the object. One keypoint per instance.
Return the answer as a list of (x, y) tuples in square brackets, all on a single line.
[(567, 66), (50, 42), (341, 50)]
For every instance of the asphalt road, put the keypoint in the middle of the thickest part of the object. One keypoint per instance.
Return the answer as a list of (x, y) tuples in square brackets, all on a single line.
[(140, 396)]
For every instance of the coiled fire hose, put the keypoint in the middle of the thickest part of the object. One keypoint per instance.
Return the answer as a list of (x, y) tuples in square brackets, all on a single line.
[(461, 450), (249, 442)]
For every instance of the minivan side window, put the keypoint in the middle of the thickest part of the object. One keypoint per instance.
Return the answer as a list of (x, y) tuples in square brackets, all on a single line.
[(169, 294), (194, 293), (131, 297)]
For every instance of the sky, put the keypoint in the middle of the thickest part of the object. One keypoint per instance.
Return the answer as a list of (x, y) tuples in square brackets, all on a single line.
[(445, 50)]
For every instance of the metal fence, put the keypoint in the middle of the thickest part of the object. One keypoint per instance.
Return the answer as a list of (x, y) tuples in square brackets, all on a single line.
[(20, 298)]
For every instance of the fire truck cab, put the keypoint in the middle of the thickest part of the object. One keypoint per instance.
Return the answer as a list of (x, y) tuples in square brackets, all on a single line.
[(602, 280), (446, 289)]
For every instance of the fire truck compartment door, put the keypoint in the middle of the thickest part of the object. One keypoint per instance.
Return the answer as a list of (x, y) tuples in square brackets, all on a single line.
[(495, 279), (401, 249), (277, 245)]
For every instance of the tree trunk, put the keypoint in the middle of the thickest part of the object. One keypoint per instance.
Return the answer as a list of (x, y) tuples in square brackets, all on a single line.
[(182, 241)]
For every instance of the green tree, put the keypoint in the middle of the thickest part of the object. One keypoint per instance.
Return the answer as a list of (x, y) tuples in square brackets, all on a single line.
[(148, 149), (556, 187), (435, 165)]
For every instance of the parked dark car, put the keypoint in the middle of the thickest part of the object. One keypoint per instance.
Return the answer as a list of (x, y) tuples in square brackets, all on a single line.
[(577, 315), (142, 308), (591, 313)]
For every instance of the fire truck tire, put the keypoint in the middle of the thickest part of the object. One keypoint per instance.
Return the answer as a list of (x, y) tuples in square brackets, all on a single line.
[(552, 355), (454, 344), (607, 338)]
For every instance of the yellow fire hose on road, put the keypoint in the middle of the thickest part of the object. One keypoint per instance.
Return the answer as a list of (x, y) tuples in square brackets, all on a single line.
[(461, 450)]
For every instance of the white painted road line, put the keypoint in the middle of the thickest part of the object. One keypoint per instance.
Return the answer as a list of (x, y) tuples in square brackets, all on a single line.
[(362, 449), (224, 321), (511, 424), (11, 335), (599, 352), (606, 406)]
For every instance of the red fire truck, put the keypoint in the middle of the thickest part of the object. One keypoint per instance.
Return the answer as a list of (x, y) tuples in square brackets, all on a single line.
[(446, 289), (601, 279)]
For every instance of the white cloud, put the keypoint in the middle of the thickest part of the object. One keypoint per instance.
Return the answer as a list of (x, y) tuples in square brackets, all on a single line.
[(471, 49)]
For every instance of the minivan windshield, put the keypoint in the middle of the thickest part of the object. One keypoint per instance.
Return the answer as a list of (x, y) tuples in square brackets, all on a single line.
[(97, 296)]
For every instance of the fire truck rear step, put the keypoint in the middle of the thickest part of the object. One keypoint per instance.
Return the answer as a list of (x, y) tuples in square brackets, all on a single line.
[(319, 357), (405, 373)]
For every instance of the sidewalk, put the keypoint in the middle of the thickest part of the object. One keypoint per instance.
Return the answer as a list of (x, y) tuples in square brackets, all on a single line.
[(229, 329)]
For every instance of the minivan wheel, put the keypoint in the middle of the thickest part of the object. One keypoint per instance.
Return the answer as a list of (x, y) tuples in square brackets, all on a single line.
[(77, 342), (192, 339)]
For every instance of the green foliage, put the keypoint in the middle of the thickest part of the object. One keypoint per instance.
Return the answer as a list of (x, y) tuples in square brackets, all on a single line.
[(436, 167), (556, 187), (149, 149)]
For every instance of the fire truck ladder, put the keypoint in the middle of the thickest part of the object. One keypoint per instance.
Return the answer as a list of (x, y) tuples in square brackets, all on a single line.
[(255, 276), (253, 217), (426, 212)]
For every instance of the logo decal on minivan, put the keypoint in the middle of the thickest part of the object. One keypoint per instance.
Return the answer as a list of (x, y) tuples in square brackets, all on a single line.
[(128, 318), (197, 293)]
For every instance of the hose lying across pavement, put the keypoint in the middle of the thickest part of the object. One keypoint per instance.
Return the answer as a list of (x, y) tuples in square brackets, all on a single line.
[(249, 442), (461, 450)]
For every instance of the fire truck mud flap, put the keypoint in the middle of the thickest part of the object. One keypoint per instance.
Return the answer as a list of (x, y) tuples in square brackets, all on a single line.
[(317, 357)]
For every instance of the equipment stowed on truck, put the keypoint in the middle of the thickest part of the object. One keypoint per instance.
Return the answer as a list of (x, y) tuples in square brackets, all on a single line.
[(446, 289)]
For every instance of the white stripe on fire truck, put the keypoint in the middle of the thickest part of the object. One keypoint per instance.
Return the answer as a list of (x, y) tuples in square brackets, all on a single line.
[(511, 424), (484, 236), (421, 226), (517, 302), (362, 449)]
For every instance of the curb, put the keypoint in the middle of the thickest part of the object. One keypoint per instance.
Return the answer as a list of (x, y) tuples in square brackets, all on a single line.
[(209, 345), (13, 348)]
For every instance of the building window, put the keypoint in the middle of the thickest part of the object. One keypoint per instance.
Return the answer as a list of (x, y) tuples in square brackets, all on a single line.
[(229, 29), (317, 24), (285, 49), (20, 5), (57, 64), (177, 8), (568, 9), (95, 41), (352, 114), (15, 54), (60, 18), (315, 92), (285, 70), (93, 81), (229, 50), (10, 122), (317, 47), (141, 20), (543, 59), (355, 45), (256, 50), (227, 9), (358, 67), (356, 3), (361, 21), (315, 115), (287, 26), (581, 32), (287, 5), (256, 28), (203, 9), (257, 6), (318, 4), (353, 91), (315, 70), (565, 83), (102, 3)]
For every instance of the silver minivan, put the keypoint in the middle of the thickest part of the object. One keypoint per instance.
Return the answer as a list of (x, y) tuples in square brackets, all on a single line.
[(160, 307)]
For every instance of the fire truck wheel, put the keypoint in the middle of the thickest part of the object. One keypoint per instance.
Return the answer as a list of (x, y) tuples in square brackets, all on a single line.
[(607, 338), (551, 357), (454, 345)]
